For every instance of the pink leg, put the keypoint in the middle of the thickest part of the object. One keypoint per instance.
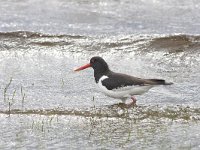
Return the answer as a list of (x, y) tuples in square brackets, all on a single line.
[(133, 103), (133, 100)]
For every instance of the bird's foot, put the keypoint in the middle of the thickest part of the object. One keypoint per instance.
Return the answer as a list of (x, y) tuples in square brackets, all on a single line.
[(133, 99), (124, 105), (132, 104)]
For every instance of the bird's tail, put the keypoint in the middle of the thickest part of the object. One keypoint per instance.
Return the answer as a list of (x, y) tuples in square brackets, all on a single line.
[(160, 82)]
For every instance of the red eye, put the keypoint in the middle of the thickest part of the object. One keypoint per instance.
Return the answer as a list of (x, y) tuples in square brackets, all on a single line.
[(93, 60)]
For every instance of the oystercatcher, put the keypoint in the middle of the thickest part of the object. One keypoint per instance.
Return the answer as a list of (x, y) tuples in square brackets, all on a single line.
[(118, 85)]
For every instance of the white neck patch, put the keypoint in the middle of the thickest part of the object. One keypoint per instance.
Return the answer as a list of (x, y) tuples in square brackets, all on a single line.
[(103, 78)]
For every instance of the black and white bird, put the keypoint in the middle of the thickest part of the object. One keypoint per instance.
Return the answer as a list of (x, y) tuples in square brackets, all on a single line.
[(118, 85)]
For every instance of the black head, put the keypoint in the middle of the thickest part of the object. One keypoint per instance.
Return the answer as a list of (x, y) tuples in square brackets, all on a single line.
[(99, 65)]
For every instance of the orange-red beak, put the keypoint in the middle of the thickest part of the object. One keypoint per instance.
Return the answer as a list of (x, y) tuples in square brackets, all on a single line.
[(83, 67)]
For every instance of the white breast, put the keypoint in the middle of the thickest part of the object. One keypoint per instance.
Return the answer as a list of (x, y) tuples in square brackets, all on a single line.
[(123, 92)]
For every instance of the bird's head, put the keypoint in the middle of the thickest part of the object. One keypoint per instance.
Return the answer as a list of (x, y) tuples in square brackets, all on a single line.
[(97, 63)]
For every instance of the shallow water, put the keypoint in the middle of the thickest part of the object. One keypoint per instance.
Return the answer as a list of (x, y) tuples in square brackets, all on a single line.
[(45, 105)]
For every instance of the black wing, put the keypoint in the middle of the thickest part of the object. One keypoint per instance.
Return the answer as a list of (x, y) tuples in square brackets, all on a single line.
[(117, 80)]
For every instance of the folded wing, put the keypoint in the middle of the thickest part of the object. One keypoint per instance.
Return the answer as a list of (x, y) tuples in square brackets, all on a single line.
[(118, 80)]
